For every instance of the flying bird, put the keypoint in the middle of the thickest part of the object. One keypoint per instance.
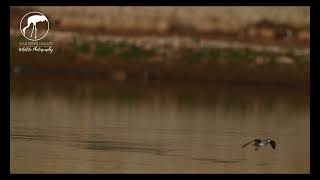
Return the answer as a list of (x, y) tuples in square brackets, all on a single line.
[(257, 143)]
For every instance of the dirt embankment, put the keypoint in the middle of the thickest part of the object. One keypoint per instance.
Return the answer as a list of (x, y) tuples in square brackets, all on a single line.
[(286, 26)]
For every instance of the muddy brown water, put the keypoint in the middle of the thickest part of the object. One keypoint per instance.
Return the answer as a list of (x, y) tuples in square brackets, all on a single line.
[(66, 125)]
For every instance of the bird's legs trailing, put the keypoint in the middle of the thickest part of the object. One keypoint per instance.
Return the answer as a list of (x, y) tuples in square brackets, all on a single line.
[(246, 144)]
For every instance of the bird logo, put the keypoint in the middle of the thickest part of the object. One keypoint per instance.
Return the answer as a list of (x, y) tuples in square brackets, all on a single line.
[(258, 143), (30, 22)]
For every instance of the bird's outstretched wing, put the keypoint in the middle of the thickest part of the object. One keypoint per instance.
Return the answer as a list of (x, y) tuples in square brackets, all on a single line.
[(247, 144), (273, 144)]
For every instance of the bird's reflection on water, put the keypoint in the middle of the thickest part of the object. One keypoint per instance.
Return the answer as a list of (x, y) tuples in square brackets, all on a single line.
[(61, 126)]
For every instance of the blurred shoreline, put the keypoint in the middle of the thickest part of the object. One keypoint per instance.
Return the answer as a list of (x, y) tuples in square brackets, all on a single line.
[(255, 50)]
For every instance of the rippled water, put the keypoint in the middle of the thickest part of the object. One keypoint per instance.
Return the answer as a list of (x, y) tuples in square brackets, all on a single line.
[(74, 126)]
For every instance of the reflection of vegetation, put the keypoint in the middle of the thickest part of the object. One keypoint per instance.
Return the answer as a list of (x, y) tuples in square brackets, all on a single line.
[(124, 96), (22, 92), (40, 94), (184, 98), (128, 97), (101, 94)]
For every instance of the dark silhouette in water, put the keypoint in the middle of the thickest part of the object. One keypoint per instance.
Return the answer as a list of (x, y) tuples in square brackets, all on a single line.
[(257, 143)]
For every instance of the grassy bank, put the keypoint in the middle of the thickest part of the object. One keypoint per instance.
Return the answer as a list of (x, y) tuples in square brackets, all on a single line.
[(125, 59)]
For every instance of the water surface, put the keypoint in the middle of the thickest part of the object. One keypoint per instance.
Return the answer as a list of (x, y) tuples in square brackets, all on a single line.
[(66, 125)]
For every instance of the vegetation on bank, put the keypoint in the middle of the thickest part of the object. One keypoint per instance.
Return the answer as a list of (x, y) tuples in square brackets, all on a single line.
[(125, 51), (104, 50), (121, 60), (130, 52)]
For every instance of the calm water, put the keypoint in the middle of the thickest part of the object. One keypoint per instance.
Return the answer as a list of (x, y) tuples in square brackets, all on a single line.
[(66, 125)]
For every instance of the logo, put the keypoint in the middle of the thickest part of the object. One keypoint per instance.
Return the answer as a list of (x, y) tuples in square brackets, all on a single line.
[(34, 26)]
